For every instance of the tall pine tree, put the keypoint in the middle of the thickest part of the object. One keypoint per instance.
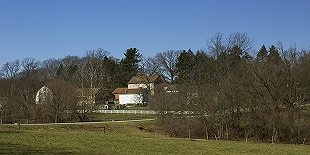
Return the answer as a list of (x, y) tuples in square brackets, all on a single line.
[(262, 54), (129, 66), (185, 67), (274, 55)]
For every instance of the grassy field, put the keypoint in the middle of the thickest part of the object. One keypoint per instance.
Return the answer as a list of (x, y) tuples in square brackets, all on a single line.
[(121, 138), (120, 117)]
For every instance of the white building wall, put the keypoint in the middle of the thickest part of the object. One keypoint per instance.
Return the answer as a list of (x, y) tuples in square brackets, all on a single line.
[(136, 86), (43, 95), (141, 85), (130, 99)]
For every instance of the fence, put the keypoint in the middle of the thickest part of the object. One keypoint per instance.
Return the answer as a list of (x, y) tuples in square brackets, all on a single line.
[(151, 112)]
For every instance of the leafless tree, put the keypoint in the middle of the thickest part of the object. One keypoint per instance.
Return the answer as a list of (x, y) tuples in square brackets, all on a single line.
[(63, 101), (219, 45), (49, 68), (91, 72), (30, 64), (241, 40), (165, 64), (11, 69)]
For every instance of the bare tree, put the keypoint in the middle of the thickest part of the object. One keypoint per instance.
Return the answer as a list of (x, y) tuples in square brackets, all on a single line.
[(91, 68), (63, 101), (241, 40), (219, 45), (165, 64), (11, 69), (49, 68), (30, 66)]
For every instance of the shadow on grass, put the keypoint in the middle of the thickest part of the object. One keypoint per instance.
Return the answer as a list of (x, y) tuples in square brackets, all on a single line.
[(10, 148)]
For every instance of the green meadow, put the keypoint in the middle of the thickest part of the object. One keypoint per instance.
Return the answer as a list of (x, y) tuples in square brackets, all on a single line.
[(122, 138)]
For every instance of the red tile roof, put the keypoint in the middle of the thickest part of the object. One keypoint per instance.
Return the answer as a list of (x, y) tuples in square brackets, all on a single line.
[(129, 91)]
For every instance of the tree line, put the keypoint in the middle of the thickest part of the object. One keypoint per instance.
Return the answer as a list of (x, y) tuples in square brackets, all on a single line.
[(227, 91), (234, 92), (21, 80)]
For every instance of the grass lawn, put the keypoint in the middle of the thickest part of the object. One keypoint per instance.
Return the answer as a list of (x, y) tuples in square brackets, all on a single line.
[(120, 117), (121, 138)]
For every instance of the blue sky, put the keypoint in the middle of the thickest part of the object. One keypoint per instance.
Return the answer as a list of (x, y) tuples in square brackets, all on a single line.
[(55, 28)]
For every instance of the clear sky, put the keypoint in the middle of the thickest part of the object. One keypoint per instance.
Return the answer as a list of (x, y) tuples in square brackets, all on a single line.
[(55, 28)]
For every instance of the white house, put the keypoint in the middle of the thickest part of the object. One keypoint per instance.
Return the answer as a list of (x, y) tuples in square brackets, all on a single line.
[(125, 96), (138, 90)]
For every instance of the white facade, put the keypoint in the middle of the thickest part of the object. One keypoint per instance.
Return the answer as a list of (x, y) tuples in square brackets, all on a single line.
[(150, 86), (44, 95), (125, 99), (136, 86)]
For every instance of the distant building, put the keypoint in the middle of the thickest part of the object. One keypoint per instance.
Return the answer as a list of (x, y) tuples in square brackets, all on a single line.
[(138, 90), (171, 89), (148, 82), (89, 96), (44, 95), (125, 96), (86, 96)]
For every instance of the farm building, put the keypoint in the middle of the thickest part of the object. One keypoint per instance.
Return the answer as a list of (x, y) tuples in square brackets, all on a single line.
[(125, 96), (138, 90)]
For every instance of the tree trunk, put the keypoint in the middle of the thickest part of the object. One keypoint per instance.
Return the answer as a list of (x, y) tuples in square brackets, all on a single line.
[(56, 118), (273, 135), (303, 143), (207, 134), (227, 132)]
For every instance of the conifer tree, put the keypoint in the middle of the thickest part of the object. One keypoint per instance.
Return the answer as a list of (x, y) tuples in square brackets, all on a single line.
[(262, 54), (129, 66)]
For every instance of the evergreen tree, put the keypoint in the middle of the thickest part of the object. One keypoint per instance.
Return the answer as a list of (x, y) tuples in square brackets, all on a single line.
[(204, 68), (235, 54), (274, 55), (185, 66), (262, 54), (129, 66)]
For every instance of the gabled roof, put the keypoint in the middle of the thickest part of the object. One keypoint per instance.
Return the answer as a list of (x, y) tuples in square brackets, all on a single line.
[(129, 91), (145, 79), (118, 90)]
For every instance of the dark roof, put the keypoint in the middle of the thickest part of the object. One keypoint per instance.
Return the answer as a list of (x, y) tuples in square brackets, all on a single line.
[(145, 79), (118, 90), (171, 88), (129, 91)]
